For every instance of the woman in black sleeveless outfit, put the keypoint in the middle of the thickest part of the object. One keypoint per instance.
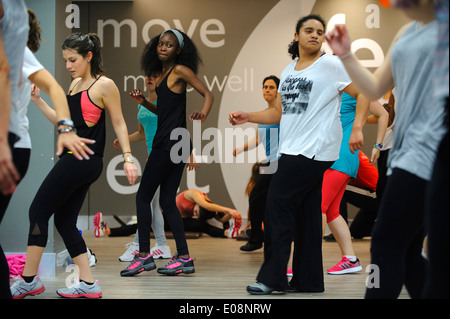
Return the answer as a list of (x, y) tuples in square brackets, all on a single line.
[(173, 56), (63, 191)]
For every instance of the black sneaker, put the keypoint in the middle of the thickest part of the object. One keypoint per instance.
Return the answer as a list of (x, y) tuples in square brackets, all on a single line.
[(259, 289), (178, 266), (139, 264), (250, 247), (329, 237)]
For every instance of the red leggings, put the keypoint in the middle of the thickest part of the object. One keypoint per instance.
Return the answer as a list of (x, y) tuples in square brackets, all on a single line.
[(333, 188)]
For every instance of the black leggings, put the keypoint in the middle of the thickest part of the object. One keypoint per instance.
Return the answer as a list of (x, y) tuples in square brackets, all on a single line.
[(382, 174), (21, 159), (62, 193), (160, 170), (364, 220), (437, 223), (294, 214), (202, 226), (125, 230), (397, 238), (257, 207)]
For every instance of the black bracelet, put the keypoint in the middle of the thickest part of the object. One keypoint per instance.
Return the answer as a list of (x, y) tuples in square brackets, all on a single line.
[(67, 129)]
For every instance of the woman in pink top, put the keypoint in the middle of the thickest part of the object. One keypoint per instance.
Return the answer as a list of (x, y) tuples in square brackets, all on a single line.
[(196, 208)]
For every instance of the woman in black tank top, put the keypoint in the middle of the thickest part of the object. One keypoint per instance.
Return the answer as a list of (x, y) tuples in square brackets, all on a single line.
[(64, 189), (173, 56)]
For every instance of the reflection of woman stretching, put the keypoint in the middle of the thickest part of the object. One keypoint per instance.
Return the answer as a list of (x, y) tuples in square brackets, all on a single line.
[(196, 208), (174, 57)]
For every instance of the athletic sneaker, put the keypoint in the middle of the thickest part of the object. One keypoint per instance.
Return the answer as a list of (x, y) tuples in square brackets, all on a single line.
[(81, 290), (92, 258), (345, 266), (99, 225), (21, 288), (251, 246), (160, 252), (132, 249), (235, 226), (138, 265), (178, 266), (259, 289)]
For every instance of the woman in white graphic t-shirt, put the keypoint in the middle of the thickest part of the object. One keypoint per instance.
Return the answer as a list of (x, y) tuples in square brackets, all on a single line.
[(310, 136)]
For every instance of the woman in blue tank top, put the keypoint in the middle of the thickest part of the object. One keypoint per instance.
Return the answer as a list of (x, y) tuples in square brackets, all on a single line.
[(336, 178), (268, 134), (173, 56)]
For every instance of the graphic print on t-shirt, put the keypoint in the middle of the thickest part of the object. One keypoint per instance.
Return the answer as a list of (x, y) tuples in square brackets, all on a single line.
[(295, 94)]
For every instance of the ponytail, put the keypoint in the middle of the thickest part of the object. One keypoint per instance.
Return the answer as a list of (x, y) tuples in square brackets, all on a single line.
[(83, 44)]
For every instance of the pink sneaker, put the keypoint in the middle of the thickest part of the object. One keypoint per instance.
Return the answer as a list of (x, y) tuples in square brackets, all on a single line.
[(345, 266), (99, 225), (289, 272), (178, 266)]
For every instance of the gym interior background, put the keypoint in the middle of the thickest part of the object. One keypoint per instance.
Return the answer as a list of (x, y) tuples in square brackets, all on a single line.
[(240, 42)]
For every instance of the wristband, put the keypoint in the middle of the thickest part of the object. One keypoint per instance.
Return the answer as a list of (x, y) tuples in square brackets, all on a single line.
[(349, 53), (128, 160), (67, 129), (126, 153), (67, 122), (378, 146)]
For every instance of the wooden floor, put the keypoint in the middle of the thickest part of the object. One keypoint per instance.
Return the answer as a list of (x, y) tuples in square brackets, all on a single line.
[(222, 271)]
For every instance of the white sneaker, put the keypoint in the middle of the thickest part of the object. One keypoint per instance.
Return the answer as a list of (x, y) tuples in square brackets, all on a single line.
[(81, 289), (20, 288), (160, 252), (92, 258), (132, 249), (234, 229), (132, 221)]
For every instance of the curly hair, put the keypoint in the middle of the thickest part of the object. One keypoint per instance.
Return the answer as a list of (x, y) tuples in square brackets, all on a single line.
[(34, 34), (82, 44), (293, 46), (189, 56)]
